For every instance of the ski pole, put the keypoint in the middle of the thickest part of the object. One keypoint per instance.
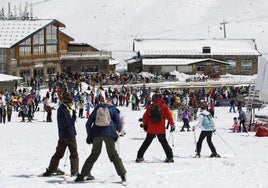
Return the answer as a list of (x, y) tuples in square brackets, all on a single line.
[(172, 139), (225, 142), (194, 138), (195, 141)]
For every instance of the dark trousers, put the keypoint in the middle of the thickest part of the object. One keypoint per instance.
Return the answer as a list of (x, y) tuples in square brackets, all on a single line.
[(185, 124), (81, 113), (95, 153), (203, 135), (148, 140), (49, 114), (242, 122), (63, 143)]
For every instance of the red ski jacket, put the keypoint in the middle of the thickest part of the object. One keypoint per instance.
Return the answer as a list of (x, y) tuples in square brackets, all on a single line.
[(159, 127)]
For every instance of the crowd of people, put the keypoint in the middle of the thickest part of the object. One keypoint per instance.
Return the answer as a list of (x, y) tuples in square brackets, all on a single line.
[(70, 96), (27, 101)]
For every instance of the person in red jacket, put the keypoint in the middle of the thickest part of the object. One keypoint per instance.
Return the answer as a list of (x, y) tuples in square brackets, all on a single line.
[(157, 129)]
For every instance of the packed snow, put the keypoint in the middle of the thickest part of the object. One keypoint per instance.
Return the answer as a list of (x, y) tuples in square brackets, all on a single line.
[(27, 148)]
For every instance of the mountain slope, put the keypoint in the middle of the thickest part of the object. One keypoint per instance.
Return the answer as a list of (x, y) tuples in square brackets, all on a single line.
[(112, 25)]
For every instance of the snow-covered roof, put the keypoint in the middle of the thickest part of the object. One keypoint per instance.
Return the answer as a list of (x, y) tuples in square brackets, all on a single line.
[(13, 31), (195, 46), (6, 77), (176, 61), (113, 62)]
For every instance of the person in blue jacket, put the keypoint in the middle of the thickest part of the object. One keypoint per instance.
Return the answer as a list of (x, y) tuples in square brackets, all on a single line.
[(67, 137), (97, 135)]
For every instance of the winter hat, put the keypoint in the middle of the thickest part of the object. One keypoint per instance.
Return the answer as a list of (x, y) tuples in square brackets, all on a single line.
[(66, 97)]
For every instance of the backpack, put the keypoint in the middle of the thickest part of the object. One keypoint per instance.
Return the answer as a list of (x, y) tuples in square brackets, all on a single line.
[(208, 123), (156, 113), (103, 117)]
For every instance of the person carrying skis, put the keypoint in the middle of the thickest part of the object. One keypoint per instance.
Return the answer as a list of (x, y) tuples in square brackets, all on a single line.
[(67, 133), (103, 125), (207, 126), (154, 124)]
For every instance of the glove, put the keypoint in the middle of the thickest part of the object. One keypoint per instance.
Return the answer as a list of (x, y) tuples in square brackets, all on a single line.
[(145, 127), (193, 128), (89, 140), (214, 130), (172, 128)]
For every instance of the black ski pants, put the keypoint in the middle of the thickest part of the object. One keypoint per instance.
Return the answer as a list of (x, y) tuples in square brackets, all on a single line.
[(203, 135), (148, 140)]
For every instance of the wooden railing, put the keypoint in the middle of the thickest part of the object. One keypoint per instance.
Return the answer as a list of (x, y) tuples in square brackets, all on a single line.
[(39, 56), (83, 54), (69, 55)]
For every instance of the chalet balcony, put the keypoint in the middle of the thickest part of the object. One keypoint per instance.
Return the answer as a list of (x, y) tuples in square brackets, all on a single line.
[(86, 55), (38, 57), (82, 55)]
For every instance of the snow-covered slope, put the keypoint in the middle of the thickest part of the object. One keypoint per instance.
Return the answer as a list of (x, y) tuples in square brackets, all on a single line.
[(112, 25)]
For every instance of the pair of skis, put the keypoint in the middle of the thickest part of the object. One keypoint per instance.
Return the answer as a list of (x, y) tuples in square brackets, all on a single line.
[(68, 179)]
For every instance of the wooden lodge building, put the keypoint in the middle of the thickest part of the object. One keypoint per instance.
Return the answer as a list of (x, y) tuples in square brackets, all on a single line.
[(39, 48), (203, 56)]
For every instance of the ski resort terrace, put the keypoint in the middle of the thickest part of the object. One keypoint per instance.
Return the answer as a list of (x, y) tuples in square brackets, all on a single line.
[(86, 55)]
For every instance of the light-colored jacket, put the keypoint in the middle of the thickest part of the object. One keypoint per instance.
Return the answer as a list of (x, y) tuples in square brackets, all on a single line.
[(200, 122)]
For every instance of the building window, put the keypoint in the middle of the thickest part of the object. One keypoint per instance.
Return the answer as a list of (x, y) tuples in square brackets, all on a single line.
[(185, 69), (246, 65), (52, 48), (25, 47), (89, 68), (3, 59), (3, 56), (38, 40), (13, 53), (50, 71), (52, 39), (39, 49), (231, 66), (200, 69), (215, 68), (166, 69)]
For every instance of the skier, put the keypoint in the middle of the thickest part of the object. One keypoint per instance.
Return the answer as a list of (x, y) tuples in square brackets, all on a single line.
[(66, 139), (108, 132), (243, 118), (208, 127), (186, 116), (157, 128)]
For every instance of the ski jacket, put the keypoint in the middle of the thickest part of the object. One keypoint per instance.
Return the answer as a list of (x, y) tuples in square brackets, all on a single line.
[(108, 131), (242, 115), (200, 123), (186, 115), (66, 126), (157, 128)]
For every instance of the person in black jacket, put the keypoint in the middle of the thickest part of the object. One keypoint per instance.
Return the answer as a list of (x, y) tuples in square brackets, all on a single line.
[(67, 132), (97, 135)]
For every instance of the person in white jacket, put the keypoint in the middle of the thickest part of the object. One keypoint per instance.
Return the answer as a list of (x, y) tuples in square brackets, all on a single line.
[(207, 126)]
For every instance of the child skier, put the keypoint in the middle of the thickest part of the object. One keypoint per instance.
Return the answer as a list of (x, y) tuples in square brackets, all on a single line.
[(236, 125)]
